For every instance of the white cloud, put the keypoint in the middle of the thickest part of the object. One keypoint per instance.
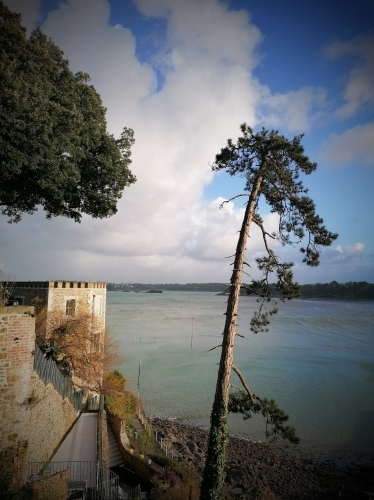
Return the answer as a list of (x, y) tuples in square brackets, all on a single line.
[(355, 145), (161, 227), (359, 91), (29, 9), (296, 110), (347, 254)]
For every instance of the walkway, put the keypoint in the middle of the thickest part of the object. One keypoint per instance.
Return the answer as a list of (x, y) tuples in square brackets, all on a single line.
[(80, 444)]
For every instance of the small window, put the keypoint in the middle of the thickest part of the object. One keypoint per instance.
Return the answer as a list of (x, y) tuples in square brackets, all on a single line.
[(20, 300), (70, 307), (98, 305)]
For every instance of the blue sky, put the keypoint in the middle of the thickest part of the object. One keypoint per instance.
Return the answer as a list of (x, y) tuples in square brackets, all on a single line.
[(184, 76)]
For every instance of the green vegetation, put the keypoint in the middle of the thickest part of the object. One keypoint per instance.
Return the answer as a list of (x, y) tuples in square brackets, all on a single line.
[(55, 150), (334, 290), (6, 285), (148, 439), (121, 402), (240, 402), (271, 166), (175, 482)]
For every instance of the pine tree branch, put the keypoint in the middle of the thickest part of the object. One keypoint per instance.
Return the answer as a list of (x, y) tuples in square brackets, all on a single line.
[(212, 349), (237, 196), (245, 385)]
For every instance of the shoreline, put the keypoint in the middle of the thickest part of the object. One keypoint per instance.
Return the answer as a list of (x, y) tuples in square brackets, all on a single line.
[(257, 468)]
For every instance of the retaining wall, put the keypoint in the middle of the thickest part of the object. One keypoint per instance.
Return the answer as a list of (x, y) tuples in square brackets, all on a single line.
[(52, 416), (17, 338), (132, 462)]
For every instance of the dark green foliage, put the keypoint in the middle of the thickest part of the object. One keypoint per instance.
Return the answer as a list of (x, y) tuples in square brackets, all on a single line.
[(50, 349), (240, 402), (55, 150), (271, 165), (279, 162), (334, 290)]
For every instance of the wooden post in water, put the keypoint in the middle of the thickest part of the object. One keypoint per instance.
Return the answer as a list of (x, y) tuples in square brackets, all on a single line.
[(140, 363), (193, 319)]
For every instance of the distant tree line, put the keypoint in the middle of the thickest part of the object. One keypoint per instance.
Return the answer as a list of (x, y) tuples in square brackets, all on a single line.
[(350, 290), (333, 290), (175, 287)]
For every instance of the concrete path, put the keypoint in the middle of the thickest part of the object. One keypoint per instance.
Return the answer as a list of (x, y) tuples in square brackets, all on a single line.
[(80, 443)]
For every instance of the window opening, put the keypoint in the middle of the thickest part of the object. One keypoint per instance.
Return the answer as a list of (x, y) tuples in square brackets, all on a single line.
[(70, 307)]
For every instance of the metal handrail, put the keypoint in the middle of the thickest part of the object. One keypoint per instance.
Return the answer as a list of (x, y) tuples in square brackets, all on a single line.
[(48, 372), (102, 483)]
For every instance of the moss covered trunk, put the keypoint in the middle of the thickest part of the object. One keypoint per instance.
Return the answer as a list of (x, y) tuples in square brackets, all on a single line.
[(211, 488)]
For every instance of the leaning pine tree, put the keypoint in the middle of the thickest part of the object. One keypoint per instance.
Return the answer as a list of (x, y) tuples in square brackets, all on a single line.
[(271, 165)]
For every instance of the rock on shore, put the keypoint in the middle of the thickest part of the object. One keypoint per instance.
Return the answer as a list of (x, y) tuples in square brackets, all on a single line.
[(257, 472)]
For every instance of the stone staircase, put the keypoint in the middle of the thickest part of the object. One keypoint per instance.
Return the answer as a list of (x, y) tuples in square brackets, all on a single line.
[(114, 453)]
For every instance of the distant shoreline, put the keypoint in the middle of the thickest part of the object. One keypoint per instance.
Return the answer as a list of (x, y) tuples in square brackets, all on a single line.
[(348, 299), (326, 291)]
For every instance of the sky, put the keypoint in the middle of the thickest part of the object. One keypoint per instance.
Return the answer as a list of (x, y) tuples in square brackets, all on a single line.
[(184, 76)]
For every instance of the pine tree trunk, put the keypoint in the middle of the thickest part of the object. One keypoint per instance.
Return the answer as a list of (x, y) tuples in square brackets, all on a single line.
[(213, 479)]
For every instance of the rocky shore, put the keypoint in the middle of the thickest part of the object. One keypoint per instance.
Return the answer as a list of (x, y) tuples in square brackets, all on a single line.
[(257, 472)]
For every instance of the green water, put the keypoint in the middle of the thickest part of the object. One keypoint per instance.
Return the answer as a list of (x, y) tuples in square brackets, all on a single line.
[(317, 362)]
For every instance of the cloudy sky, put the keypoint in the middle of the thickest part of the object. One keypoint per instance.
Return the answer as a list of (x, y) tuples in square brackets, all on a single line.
[(185, 75)]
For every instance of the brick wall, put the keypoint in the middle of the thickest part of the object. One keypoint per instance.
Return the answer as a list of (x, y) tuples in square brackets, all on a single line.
[(51, 418), (17, 338)]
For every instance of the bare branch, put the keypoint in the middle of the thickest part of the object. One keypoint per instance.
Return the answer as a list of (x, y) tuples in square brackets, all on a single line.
[(239, 335), (212, 349), (242, 380), (237, 196), (264, 234)]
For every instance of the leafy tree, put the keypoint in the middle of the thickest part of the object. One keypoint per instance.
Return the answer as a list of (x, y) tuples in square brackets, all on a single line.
[(271, 165), (6, 285), (55, 150)]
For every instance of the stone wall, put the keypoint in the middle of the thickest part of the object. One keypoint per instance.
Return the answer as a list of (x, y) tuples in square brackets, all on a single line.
[(134, 463), (90, 297), (51, 419), (104, 458), (55, 486), (17, 339), (87, 303), (73, 300)]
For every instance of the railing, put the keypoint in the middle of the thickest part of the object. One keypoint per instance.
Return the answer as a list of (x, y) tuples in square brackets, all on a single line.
[(48, 372), (102, 483), (164, 443), (100, 428), (93, 404)]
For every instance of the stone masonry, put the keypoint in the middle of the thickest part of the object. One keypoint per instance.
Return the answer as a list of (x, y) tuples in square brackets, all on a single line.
[(51, 419), (89, 298), (17, 339)]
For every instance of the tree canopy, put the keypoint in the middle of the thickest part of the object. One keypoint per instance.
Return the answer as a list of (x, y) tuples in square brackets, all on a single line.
[(55, 150), (271, 165)]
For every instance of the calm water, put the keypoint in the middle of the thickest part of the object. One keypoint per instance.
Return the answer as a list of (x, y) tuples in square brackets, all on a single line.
[(316, 361)]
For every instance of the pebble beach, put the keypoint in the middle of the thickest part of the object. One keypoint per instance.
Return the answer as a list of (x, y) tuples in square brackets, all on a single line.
[(257, 471)]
